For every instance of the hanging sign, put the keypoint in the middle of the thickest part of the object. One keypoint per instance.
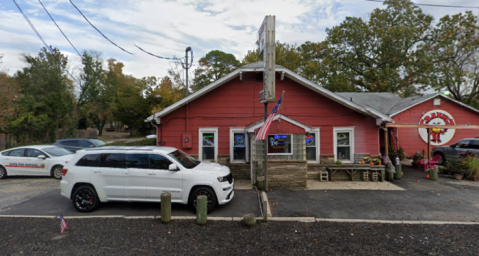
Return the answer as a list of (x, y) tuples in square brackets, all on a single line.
[(438, 136)]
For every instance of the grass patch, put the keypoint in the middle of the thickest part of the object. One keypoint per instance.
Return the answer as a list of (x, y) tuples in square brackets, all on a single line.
[(144, 142)]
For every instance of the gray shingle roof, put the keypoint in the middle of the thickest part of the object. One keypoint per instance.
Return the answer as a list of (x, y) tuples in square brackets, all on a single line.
[(380, 101), (385, 102), (410, 101)]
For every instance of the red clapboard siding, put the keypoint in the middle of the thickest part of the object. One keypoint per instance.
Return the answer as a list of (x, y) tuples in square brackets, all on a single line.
[(409, 138), (235, 105)]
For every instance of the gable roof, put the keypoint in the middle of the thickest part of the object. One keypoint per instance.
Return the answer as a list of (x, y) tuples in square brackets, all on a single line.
[(391, 104), (257, 125), (258, 67)]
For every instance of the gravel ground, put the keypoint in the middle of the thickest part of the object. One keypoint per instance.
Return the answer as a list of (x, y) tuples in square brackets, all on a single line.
[(118, 236)]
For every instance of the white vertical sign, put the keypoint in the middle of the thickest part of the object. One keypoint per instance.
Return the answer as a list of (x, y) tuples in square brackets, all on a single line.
[(266, 39)]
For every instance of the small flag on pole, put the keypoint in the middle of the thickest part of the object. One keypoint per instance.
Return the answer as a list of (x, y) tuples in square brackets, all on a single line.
[(264, 129), (63, 224)]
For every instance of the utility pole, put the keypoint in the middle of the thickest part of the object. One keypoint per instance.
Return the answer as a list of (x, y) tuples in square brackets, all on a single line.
[(186, 67)]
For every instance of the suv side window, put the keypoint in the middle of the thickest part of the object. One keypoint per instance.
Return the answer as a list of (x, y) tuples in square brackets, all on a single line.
[(159, 162), (463, 144), (137, 161), (114, 160), (474, 144), (92, 160)]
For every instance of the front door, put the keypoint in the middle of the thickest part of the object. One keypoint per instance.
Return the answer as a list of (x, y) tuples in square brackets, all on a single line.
[(161, 180)]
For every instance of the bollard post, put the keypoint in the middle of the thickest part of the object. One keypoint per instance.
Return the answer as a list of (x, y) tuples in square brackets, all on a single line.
[(265, 212), (201, 209), (165, 207)]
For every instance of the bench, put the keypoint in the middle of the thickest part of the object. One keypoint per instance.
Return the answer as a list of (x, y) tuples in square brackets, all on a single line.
[(351, 170)]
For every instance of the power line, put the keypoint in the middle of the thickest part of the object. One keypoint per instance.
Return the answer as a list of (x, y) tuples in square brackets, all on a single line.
[(59, 28), (98, 29), (41, 38), (434, 5), (165, 58)]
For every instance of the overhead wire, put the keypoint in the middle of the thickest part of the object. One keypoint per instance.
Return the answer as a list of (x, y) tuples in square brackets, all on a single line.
[(434, 5), (60, 28), (154, 55), (99, 30), (41, 38)]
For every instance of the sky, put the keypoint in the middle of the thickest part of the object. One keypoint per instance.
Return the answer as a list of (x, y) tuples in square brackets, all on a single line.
[(167, 27)]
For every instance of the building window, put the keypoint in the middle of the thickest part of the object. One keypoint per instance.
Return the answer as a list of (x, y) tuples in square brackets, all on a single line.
[(344, 144), (208, 144), (312, 145), (280, 144), (238, 145)]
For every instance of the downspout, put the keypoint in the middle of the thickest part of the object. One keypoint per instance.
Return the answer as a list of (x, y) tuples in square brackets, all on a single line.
[(156, 130), (186, 123)]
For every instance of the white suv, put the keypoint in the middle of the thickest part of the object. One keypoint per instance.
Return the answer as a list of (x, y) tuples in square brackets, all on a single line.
[(143, 174)]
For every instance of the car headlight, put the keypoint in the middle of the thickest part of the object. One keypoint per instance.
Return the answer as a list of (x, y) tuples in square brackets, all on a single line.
[(223, 178)]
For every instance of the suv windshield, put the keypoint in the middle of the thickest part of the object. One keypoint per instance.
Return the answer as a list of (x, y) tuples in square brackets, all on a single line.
[(97, 143), (57, 151), (184, 159)]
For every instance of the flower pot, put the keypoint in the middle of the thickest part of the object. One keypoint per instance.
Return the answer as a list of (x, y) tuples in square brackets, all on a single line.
[(458, 176), (433, 174)]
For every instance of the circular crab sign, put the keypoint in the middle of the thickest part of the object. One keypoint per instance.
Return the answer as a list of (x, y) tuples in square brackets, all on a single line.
[(438, 136)]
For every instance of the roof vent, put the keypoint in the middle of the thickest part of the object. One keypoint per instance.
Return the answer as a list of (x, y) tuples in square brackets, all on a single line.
[(437, 102)]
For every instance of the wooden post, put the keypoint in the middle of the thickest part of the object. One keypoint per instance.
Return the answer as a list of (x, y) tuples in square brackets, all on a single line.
[(386, 142), (428, 144), (201, 209), (165, 207)]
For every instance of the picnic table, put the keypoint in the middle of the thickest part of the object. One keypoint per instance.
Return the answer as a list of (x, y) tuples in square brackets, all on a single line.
[(351, 170)]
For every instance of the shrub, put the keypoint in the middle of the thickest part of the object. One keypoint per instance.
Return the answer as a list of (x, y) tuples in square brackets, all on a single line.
[(456, 166), (472, 163)]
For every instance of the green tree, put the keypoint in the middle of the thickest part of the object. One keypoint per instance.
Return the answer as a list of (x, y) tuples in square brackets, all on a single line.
[(132, 102), (99, 107), (212, 67), (286, 55), (382, 54), (91, 86), (454, 47), (47, 100), (165, 94)]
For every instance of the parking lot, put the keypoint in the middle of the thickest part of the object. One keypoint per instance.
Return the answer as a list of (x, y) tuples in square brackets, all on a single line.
[(35, 196), (413, 198)]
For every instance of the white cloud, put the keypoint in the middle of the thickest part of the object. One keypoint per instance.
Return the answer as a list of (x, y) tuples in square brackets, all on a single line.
[(166, 27)]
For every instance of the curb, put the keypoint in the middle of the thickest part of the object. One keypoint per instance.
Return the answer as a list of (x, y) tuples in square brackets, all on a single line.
[(277, 219)]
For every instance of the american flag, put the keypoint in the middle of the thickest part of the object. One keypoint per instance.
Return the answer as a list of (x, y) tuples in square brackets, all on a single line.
[(63, 224), (264, 129)]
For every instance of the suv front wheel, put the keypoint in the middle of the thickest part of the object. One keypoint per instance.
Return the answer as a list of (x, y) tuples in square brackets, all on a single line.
[(85, 199), (203, 191)]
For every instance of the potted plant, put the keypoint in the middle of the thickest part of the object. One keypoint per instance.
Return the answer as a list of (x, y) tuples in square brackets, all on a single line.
[(431, 173), (416, 159), (456, 168)]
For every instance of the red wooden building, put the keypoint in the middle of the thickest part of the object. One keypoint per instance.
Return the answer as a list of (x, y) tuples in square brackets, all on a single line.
[(315, 126), (431, 109)]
